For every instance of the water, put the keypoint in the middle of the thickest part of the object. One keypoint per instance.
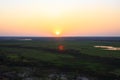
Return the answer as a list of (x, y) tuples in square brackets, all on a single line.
[(108, 47)]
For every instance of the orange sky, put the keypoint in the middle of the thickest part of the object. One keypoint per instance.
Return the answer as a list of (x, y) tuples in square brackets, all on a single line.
[(69, 17)]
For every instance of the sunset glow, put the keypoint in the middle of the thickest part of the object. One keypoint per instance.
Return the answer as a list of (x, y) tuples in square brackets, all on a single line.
[(57, 33), (73, 17)]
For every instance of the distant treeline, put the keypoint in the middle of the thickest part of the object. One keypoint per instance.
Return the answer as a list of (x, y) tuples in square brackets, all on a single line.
[(63, 38)]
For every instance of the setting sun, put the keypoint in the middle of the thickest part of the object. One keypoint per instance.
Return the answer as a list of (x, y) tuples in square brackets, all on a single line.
[(57, 33)]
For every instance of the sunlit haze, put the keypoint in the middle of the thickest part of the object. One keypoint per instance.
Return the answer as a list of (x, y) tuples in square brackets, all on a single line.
[(59, 17), (57, 33)]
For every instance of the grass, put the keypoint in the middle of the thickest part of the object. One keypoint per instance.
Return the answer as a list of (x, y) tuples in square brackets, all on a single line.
[(78, 55)]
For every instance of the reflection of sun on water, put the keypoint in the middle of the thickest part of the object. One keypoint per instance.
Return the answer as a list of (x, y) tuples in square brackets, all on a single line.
[(108, 47)]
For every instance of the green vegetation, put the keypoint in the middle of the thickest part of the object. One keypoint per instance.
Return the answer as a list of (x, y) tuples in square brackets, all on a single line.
[(78, 56)]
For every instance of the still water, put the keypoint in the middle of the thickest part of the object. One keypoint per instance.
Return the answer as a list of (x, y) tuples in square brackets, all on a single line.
[(108, 48)]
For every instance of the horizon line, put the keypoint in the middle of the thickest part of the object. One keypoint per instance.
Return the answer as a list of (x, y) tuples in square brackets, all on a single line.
[(59, 36)]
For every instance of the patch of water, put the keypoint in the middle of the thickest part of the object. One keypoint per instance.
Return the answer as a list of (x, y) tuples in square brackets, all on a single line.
[(25, 39), (108, 47)]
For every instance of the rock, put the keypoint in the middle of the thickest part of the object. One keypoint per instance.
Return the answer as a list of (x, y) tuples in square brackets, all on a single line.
[(63, 77), (52, 77), (32, 78)]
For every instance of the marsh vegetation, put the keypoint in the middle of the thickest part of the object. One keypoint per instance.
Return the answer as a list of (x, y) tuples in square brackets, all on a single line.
[(40, 60)]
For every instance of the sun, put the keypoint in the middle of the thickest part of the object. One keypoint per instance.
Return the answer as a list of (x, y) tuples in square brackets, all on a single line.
[(57, 33)]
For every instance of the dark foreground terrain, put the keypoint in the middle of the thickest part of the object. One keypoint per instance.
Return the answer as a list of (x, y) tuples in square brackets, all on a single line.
[(45, 59)]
